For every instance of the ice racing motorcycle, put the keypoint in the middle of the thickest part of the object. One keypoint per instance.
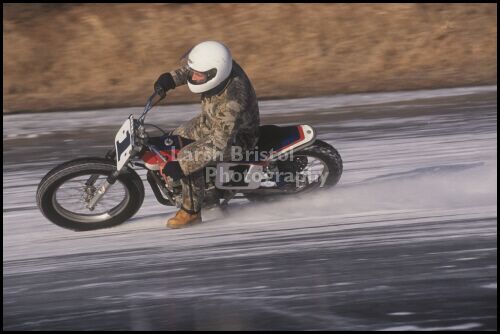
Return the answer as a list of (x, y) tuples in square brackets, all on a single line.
[(100, 192)]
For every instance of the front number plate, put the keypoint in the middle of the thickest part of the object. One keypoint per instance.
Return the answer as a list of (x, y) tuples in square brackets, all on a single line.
[(124, 141)]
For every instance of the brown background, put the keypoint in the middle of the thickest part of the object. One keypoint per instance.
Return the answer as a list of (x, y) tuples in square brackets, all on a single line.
[(78, 56)]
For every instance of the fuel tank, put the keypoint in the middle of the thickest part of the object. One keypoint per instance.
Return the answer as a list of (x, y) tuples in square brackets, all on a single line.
[(168, 146)]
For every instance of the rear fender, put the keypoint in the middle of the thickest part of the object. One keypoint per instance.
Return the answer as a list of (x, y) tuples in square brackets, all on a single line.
[(307, 136)]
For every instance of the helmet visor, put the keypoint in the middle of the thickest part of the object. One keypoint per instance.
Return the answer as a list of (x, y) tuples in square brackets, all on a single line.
[(198, 78)]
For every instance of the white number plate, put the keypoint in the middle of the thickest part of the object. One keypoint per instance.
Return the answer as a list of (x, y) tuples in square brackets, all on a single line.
[(124, 143)]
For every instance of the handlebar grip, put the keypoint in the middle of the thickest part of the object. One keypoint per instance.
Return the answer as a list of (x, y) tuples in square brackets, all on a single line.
[(160, 91)]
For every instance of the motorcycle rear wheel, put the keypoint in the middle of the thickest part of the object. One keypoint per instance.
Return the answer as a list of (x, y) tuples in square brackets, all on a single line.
[(320, 152)]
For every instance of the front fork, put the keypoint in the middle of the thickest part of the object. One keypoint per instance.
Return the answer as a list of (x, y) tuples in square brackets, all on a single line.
[(103, 188)]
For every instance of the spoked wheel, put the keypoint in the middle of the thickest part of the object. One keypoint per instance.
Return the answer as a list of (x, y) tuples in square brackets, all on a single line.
[(316, 167), (64, 193), (315, 171), (72, 196)]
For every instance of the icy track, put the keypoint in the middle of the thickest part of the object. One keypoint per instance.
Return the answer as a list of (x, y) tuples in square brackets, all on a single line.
[(406, 241)]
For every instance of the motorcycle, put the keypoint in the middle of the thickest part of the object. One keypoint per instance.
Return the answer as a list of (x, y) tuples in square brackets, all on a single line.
[(100, 192)]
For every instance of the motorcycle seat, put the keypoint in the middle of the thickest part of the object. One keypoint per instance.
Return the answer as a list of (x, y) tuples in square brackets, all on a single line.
[(279, 138)]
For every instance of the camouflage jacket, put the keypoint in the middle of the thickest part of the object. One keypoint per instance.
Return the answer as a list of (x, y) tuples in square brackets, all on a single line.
[(229, 117)]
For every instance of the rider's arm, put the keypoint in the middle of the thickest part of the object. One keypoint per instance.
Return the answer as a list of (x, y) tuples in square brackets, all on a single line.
[(171, 80), (218, 140), (223, 133), (180, 76)]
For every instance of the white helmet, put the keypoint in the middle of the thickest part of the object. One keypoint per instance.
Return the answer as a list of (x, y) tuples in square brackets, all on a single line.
[(210, 63)]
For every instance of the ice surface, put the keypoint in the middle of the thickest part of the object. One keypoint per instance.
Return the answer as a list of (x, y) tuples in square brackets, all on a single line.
[(411, 224)]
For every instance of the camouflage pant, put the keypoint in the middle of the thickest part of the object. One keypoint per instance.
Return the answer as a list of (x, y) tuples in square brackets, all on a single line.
[(192, 159)]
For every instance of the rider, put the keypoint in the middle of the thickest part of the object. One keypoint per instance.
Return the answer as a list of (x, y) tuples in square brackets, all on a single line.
[(229, 117)]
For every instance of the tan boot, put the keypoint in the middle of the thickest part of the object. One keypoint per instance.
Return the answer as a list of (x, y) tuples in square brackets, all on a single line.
[(183, 218)]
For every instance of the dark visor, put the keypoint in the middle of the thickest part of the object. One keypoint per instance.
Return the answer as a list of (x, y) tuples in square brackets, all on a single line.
[(198, 78)]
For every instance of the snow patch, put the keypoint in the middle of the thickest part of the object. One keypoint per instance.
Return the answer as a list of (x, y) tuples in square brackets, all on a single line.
[(465, 326), (400, 313)]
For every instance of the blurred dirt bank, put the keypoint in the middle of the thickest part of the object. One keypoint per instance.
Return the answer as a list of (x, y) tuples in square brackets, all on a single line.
[(79, 56)]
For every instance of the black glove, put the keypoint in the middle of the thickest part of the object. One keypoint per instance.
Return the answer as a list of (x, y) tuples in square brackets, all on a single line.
[(164, 83), (173, 169)]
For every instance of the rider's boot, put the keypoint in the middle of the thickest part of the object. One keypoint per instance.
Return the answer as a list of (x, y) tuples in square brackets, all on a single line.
[(184, 218)]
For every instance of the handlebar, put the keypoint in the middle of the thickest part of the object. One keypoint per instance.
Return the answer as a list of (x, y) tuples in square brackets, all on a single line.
[(150, 105), (141, 131)]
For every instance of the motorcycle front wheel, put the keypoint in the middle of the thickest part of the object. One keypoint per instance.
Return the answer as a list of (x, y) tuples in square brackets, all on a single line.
[(64, 192)]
